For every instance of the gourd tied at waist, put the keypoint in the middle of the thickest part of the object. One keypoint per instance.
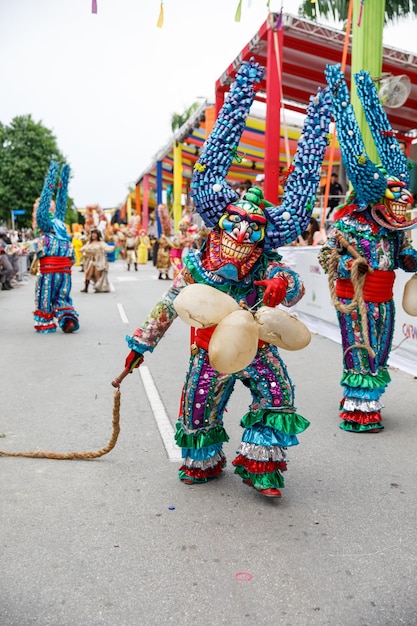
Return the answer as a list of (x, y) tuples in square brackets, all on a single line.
[(51, 264), (378, 287)]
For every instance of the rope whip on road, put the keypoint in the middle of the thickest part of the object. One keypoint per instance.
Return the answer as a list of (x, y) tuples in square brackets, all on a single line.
[(68, 456)]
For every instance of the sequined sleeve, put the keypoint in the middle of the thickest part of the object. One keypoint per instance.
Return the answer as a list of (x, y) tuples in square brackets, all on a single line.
[(295, 289), (157, 322), (406, 250), (325, 253)]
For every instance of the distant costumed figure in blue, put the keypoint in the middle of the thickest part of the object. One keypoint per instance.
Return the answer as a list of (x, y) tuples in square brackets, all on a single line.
[(367, 243), (228, 290), (56, 256)]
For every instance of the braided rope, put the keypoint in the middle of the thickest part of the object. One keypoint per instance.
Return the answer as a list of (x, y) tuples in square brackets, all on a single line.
[(80, 455), (357, 302)]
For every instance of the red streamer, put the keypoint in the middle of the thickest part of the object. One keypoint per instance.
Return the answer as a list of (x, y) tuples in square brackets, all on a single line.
[(360, 13)]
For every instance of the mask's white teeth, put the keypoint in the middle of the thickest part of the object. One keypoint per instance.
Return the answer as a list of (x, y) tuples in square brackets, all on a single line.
[(398, 208), (233, 250)]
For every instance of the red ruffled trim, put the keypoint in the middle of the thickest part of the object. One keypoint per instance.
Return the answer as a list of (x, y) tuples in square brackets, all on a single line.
[(259, 467), (360, 417), (43, 315), (196, 472)]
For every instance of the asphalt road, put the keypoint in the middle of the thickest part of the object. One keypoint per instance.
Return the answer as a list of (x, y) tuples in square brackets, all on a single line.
[(120, 541)]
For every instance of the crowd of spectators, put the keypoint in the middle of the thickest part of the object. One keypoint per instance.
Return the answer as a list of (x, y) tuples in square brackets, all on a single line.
[(16, 255)]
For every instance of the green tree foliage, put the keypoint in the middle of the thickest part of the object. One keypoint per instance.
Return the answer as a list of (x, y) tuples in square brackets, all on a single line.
[(26, 148), (338, 9), (179, 119)]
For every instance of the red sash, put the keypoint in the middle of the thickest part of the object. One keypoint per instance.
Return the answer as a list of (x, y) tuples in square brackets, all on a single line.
[(203, 336), (51, 264), (378, 286)]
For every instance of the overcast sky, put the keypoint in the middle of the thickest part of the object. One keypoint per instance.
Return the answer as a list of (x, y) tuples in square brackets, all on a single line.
[(107, 84)]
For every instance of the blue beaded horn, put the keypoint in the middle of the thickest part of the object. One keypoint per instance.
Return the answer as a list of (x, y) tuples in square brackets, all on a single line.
[(43, 217), (62, 194), (392, 159), (366, 178), (45, 220), (209, 188), (288, 221)]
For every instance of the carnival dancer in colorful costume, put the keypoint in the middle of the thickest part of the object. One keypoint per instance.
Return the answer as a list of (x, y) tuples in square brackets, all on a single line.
[(364, 248), (238, 262), (56, 256), (144, 245)]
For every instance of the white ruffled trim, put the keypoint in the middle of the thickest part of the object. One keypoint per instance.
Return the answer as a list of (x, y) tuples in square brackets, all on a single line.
[(262, 453), (366, 406)]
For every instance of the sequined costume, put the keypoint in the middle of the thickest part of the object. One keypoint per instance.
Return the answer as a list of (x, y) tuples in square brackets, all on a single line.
[(372, 223), (271, 423), (238, 259), (56, 256)]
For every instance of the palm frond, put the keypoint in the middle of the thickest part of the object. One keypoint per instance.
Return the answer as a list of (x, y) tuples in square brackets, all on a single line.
[(338, 9)]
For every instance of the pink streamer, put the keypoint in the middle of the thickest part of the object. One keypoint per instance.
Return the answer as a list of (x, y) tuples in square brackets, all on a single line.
[(94, 6), (360, 13)]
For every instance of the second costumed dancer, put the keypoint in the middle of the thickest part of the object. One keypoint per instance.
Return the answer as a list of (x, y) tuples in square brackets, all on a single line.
[(235, 270), (55, 252), (367, 243)]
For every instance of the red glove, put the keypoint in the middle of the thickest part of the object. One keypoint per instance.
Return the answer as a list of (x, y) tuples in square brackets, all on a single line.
[(133, 360), (275, 290)]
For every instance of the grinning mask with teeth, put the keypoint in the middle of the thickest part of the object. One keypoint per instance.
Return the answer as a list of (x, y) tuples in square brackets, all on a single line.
[(237, 244), (382, 187), (391, 211)]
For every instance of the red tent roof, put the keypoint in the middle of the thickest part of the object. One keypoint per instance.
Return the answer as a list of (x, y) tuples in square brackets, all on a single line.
[(308, 47)]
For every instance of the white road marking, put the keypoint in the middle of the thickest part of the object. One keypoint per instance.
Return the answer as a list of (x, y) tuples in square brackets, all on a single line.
[(122, 314), (162, 420)]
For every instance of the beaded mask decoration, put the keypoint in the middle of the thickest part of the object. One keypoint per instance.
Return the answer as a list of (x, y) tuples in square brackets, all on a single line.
[(383, 188), (254, 222)]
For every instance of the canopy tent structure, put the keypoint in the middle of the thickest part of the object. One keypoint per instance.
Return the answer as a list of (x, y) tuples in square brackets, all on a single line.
[(295, 52), (249, 161), (307, 48)]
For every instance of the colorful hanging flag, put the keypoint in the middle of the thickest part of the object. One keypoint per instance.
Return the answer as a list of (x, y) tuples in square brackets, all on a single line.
[(238, 13), (160, 21)]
